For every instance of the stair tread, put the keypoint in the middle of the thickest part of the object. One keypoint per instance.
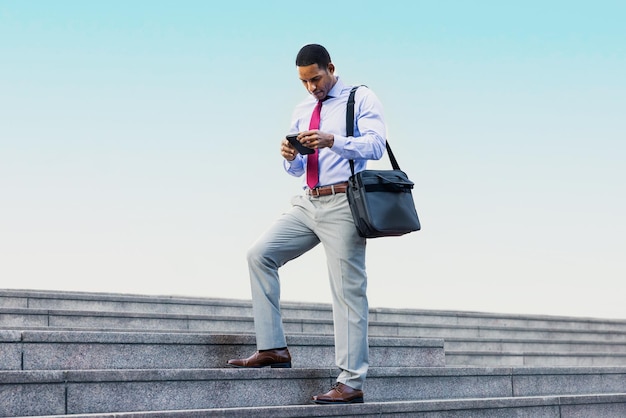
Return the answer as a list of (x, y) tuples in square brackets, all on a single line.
[(235, 318), (9, 376), (191, 300), (85, 391), (375, 408)]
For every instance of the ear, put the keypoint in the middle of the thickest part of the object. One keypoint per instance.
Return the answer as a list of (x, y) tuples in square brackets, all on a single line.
[(331, 68)]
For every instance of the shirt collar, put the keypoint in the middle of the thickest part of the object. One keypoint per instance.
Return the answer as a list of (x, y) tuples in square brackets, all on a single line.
[(337, 89)]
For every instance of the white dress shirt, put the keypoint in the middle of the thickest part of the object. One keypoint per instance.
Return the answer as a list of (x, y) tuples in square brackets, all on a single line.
[(368, 142)]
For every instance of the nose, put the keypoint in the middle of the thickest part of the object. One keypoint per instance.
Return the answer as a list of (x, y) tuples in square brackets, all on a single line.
[(311, 87)]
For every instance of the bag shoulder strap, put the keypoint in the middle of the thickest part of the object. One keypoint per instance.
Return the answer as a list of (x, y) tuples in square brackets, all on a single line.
[(350, 130)]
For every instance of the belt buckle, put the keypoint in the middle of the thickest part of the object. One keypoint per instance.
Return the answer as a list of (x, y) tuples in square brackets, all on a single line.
[(314, 192)]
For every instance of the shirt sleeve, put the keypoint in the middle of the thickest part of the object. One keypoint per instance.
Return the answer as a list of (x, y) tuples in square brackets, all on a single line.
[(295, 167), (368, 142)]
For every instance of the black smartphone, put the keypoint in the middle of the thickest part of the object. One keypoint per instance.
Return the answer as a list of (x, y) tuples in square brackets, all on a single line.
[(293, 140)]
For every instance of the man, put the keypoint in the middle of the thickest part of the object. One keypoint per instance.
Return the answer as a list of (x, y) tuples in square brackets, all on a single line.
[(321, 214)]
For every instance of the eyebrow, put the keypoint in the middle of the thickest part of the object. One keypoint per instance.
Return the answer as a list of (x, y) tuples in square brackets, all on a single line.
[(312, 78)]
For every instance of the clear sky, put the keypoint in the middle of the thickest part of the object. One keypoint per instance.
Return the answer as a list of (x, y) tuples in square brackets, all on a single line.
[(139, 146)]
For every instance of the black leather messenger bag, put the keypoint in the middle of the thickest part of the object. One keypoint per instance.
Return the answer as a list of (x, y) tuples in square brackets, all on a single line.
[(381, 200)]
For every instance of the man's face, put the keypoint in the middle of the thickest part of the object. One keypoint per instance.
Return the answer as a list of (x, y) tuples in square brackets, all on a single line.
[(318, 81)]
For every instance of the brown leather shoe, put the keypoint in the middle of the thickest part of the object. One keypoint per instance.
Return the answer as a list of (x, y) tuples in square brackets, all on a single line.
[(340, 394), (277, 358)]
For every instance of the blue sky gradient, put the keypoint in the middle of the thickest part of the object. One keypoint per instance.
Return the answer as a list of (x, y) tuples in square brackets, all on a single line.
[(139, 146)]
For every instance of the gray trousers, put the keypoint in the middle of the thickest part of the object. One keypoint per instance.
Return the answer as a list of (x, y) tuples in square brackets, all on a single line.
[(311, 220)]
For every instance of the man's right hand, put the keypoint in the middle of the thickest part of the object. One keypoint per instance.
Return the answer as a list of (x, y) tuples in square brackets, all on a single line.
[(288, 151)]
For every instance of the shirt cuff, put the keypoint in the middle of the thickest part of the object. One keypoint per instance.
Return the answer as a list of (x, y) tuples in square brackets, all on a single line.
[(339, 143), (295, 167)]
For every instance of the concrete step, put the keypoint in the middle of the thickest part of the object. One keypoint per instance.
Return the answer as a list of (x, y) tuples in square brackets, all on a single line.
[(532, 359), (41, 318), (81, 350), (472, 338), (565, 346), (565, 406), (486, 352), (109, 302), (57, 350), (110, 391), (481, 349)]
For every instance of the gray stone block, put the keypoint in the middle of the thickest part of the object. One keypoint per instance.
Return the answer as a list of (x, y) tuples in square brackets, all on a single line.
[(594, 406), (473, 332), (492, 340), (166, 390), (21, 317), (36, 399), (136, 321), (528, 345), (31, 393), (399, 384), (529, 359), (475, 408), (534, 381), (427, 391), (71, 350), (8, 301), (60, 300), (538, 407), (10, 350)]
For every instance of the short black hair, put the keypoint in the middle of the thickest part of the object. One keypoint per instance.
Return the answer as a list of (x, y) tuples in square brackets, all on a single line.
[(313, 54)]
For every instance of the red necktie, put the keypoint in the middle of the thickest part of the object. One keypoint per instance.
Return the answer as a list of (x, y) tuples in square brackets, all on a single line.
[(312, 176)]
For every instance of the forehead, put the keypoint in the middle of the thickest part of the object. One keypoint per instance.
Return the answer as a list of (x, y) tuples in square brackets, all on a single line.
[(309, 72)]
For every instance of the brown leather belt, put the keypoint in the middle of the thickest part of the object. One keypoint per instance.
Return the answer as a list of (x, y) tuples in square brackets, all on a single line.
[(328, 190)]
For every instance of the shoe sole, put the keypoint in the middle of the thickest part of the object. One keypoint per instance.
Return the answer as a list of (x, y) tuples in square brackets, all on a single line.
[(273, 366), (355, 400)]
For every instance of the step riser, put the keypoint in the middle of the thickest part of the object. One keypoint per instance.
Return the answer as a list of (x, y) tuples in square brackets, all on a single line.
[(313, 327), (501, 360), (76, 356), (192, 356), (93, 392), (605, 406), (521, 334), (543, 346), (159, 356), (189, 306)]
